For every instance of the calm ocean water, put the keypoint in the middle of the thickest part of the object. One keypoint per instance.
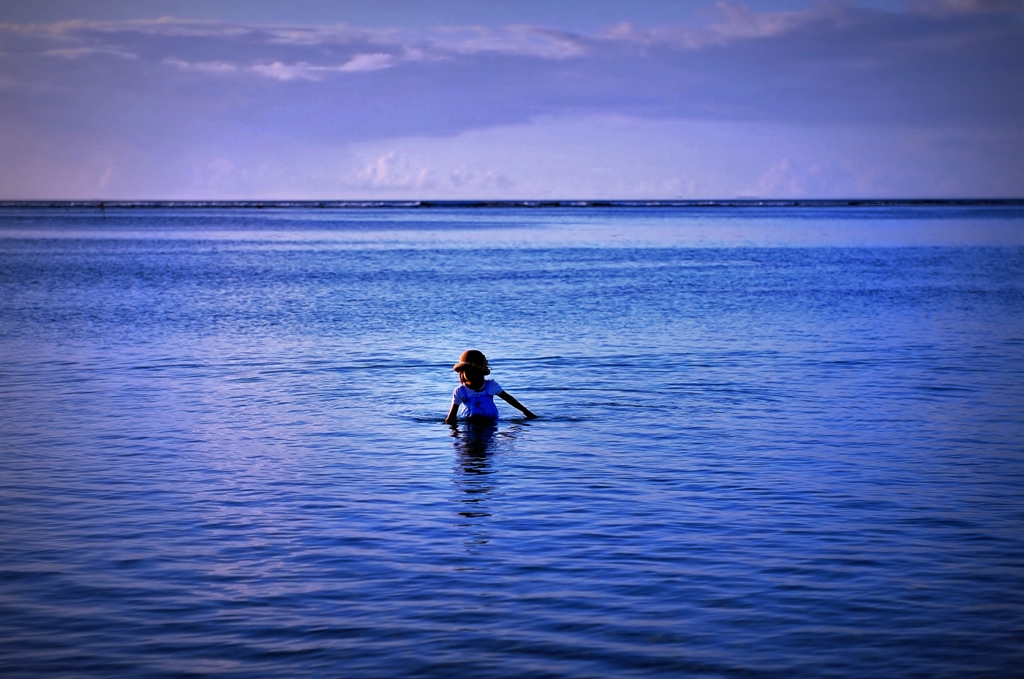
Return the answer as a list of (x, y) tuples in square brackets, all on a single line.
[(774, 442)]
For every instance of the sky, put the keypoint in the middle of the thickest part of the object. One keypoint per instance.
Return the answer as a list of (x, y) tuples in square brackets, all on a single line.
[(492, 99)]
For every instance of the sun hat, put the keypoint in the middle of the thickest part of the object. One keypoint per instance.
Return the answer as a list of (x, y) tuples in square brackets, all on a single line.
[(473, 360)]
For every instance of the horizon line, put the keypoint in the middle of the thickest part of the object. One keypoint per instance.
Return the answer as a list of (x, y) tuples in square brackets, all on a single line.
[(511, 203)]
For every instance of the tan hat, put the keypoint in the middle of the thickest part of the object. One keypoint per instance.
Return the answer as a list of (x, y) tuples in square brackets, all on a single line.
[(474, 360)]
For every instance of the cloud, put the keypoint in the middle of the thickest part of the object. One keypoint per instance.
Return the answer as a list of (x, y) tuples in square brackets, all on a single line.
[(734, 21), (284, 53), (737, 21), (827, 63), (79, 52), (178, 89), (789, 179), (945, 8), (390, 171), (209, 67), (393, 172), (311, 53), (362, 63), (521, 40), (286, 72), (406, 44), (339, 34), (164, 26), (359, 63)]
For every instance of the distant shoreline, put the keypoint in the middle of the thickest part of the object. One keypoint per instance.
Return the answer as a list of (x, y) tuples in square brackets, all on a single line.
[(428, 204)]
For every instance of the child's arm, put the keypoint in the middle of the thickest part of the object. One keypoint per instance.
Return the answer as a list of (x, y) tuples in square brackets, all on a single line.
[(453, 414), (511, 400)]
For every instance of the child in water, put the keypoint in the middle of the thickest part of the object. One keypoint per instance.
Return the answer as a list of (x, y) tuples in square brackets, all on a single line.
[(476, 393)]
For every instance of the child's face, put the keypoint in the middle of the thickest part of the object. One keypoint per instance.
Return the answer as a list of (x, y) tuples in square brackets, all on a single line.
[(471, 379)]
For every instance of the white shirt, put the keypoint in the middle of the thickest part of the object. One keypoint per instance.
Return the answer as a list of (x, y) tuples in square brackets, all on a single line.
[(478, 403)]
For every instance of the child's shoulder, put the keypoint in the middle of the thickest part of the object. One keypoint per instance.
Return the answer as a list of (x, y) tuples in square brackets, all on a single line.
[(492, 387)]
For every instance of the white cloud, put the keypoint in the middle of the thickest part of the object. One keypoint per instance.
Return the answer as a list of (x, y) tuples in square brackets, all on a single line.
[(948, 7), (399, 174), (522, 40), (735, 21), (738, 21), (78, 52), (298, 53), (368, 62), (166, 26), (731, 21), (326, 35), (360, 63), (518, 40), (287, 72), (566, 158), (278, 70), (390, 171), (209, 67), (393, 45)]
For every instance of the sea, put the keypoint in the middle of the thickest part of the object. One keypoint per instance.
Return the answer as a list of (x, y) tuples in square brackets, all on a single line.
[(776, 439)]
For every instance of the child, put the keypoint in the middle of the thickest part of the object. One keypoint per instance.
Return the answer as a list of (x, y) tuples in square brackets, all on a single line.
[(476, 393)]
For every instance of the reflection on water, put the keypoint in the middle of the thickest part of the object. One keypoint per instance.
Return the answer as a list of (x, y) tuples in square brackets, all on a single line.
[(477, 445), (474, 477), (473, 443)]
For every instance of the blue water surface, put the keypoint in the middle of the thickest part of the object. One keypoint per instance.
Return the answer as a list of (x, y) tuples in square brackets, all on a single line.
[(774, 442)]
